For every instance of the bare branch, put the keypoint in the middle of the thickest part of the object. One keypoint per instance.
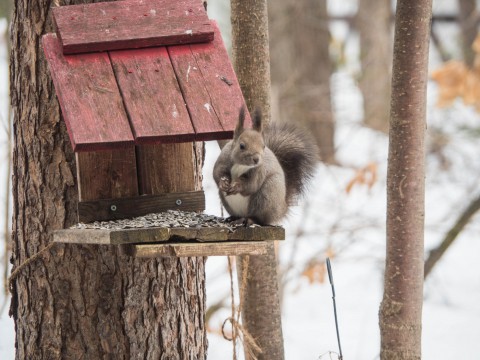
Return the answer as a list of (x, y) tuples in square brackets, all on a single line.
[(435, 255)]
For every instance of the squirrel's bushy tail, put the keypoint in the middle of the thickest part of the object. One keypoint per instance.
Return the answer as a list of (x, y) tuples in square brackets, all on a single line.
[(297, 153)]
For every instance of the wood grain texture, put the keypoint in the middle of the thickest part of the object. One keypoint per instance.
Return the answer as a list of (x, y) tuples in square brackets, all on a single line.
[(197, 97), (209, 249), (152, 96), (110, 209), (89, 97), (107, 174), (209, 86), (131, 24), (258, 233), (111, 237), (164, 168), (221, 81), (163, 234)]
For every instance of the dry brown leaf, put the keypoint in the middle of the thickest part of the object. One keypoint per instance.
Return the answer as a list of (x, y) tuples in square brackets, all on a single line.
[(456, 80), (315, 272), (476, 44), (371, 171), (364, 176), (330, 253), (451, 79), (472, 90)]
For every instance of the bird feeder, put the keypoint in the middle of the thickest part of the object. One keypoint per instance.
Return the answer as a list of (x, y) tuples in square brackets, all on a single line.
[(138, 82)]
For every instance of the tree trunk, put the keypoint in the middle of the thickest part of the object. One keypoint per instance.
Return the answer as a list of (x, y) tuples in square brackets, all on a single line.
[(83, 302), (261, 308), (468, 19), (401, 308), (301, 68), (374, 27), (251, 58)]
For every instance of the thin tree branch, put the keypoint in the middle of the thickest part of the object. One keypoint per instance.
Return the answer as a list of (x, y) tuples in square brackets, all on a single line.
[(440, 18), (444, 55), (435, 255)]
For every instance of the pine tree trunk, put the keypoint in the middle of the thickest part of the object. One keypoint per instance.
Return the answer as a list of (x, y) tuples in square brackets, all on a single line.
[(261, 308), (301, 68), (83, 302), (401, 308), (374, 27)]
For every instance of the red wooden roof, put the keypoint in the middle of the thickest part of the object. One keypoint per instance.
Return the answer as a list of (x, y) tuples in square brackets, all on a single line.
[(131, 24), (163, 94)]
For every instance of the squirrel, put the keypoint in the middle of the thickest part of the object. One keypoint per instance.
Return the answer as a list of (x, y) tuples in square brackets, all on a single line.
[(260, 172)]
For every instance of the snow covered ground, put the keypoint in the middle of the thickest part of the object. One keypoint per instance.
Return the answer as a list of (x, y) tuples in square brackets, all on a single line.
[(351, 229)]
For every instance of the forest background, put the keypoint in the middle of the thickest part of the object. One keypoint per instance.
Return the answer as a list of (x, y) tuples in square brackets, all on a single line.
[(344, 216)]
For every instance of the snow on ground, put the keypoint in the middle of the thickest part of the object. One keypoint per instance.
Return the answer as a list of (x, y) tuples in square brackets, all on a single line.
[(352, 227)]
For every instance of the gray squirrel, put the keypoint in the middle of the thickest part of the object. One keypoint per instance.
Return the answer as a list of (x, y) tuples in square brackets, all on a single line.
[(261, 171)]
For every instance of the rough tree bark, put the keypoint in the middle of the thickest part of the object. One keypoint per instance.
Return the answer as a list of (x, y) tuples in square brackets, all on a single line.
[(401, 308), (83, 302), (374, 26), (261, 308), (301, 68)]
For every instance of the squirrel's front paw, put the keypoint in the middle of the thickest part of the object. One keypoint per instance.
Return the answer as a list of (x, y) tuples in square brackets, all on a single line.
[(224, 184), (233, 189)]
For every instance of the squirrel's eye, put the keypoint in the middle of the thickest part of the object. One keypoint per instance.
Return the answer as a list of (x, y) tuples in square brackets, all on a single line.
[(242, 146)]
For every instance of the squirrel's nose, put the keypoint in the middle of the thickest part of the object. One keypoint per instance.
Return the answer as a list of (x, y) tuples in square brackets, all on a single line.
[(256, 159)]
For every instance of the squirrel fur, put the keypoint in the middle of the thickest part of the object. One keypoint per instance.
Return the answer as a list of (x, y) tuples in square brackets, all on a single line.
[(262, 171)]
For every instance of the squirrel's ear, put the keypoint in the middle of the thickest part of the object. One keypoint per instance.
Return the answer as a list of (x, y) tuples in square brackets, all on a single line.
[(241, 120), (257, 120)]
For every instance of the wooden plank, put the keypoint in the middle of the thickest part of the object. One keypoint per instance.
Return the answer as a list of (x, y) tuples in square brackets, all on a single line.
[(199, 234), (106, 174), (111, 237), (144, 235), (131, 24), (152, 97), (166, 168), (154, 235), (206, 249), (121, 208), (209, 86), (258, 233), (89, 97), (199, 102), (221, 81), (84, 236), (206, 234)]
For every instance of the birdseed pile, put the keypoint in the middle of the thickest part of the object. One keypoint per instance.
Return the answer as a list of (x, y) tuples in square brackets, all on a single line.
[(170, 218)]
